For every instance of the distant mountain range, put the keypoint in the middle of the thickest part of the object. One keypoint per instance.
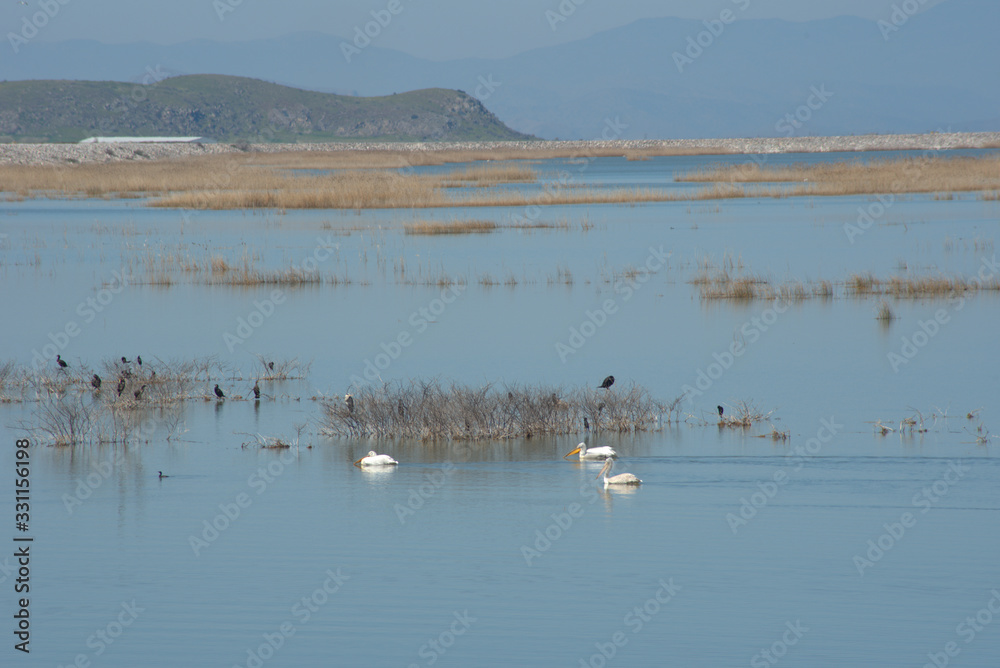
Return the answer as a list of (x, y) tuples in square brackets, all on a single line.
[(230, 108), (655, 78)]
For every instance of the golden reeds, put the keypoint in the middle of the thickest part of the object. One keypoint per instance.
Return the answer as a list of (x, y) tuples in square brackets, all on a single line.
[(908, 175), (431, 227)]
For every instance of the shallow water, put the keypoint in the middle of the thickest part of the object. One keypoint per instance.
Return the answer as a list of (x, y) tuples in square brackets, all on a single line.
[(504, 553)]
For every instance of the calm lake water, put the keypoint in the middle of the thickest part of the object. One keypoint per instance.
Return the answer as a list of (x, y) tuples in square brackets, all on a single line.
[(836, 547)]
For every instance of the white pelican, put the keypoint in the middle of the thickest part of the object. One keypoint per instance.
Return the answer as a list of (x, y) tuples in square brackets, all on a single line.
[(620, 479), (603, 452), (372, 459)]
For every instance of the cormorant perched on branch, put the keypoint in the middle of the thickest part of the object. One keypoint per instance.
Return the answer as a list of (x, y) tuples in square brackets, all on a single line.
[(608, 382), (95, 382), (61, 362), (219, 393), (721, 410)]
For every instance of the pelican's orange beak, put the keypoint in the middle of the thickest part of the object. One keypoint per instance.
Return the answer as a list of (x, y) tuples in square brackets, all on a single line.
[(572, 453), (359, 462)]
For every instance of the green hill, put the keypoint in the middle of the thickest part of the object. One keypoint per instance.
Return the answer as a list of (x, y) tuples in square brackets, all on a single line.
[(227, 108)]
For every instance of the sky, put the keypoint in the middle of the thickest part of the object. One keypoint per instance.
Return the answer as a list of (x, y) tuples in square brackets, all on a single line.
[(432, 29)]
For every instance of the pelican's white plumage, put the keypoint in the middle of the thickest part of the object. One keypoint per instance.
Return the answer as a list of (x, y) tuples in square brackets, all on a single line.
[(620, 479), (603, 452), (372, 459)]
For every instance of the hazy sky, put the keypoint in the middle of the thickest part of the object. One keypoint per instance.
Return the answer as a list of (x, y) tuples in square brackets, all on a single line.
[(436, 29)]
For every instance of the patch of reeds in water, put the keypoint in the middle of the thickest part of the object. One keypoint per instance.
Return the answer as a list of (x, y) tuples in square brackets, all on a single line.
[(490, 174), (432, 227), (914, 287), (430, 410)]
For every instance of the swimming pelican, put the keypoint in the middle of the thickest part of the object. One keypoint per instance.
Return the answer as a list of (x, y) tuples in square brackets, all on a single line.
[(603, 452), (372, 459), (620, 479)]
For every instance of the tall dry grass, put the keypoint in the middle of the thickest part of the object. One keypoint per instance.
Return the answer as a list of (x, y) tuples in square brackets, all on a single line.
[(433, 227), (490, 174), (907, 175)]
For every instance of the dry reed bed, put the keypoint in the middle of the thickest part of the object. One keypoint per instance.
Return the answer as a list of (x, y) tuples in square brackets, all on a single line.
[(722, 285), (429, 410), (908, 175), (434, 227), (243, 181)]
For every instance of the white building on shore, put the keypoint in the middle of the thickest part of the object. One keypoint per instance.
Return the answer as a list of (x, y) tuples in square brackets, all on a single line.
[(147, 140)]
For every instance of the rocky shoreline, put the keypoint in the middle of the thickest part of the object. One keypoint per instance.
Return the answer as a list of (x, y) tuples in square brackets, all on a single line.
[(52, 154)]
